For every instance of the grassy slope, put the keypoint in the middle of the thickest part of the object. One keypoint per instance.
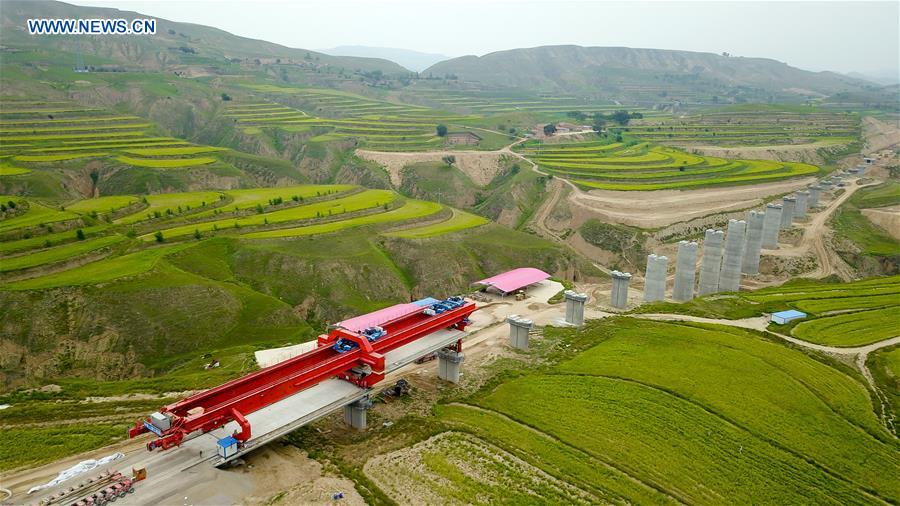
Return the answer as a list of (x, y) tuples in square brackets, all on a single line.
[(871, 241), (626, 407)]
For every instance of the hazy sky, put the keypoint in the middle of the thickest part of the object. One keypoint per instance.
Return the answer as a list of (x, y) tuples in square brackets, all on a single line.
[(814, 35)]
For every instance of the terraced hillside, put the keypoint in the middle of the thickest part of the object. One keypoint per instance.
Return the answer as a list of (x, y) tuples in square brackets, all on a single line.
[(44, 132), (335, 115), (38, 235), (92, 298), (750, 125), (488, 102), (643, 166), (620, 421), (57, 149)]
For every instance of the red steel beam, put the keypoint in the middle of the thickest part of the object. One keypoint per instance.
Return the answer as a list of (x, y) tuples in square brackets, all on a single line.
[(364, 365)]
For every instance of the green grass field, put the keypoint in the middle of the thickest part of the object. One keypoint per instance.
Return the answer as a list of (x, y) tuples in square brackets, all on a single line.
[(852, 329), (839, 314), (459, 221), (850, 223), (647, 413)]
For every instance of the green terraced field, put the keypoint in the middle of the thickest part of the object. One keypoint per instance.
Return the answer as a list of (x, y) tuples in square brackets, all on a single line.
[(839, 314), (754, 125), (102, 204), (34, 135), (171, 202), (58, 254), (99, 272), (250, 198), (191, 150), (377, 124), (57, 158), (35, 215), (624, 422), (648, 167), (166, 163), (52, 239), (852, 329), (6, 170), (459, 221), (364, 200), (411, 209)]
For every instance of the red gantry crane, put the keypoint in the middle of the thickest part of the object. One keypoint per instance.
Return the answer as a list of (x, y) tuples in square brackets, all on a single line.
[(355, 356)]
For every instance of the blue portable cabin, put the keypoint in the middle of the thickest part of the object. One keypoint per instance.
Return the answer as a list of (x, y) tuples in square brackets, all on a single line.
[(227, 446), (783, 317)]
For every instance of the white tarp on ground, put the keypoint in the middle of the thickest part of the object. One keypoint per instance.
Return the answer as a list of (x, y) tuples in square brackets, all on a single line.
[(272, 356), (81, 467)]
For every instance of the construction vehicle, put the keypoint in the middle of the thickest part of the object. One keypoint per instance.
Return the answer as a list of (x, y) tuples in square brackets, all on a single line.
[(99, 490), (356, 356)]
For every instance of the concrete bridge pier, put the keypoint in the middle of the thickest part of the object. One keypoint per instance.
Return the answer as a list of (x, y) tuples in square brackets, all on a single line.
[(575, 307), (771, 226), (518, 331), (788, 206), (448, 364), (814, 192), (685, 270), (355, 413), (619, 297), (802, 204), (711, 262)]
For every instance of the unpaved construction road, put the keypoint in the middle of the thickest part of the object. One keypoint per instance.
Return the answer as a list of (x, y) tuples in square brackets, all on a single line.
[(815, 235)]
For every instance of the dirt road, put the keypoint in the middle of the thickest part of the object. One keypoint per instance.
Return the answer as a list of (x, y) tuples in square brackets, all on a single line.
[(815, 235)]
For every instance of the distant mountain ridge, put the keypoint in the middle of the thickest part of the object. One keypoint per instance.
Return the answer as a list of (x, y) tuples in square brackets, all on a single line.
[(172, 42), (575, 68), (416, 61)]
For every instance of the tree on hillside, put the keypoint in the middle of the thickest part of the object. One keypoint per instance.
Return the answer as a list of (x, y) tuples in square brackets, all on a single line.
[(549, 128), (621, 117), (159, 236), (79, 234), (449, 160), (599, 122), (226, 97), (441, 130)]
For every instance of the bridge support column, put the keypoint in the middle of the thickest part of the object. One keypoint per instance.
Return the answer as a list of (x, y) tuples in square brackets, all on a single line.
[(355, 413), (575, 307), (518, 331), (448, 364)]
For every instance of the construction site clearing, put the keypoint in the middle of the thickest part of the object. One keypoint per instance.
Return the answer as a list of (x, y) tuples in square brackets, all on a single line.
[(205, 451)]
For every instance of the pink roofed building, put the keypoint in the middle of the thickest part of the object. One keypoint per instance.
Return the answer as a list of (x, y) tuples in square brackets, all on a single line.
[(362, 322), (514, 280)]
